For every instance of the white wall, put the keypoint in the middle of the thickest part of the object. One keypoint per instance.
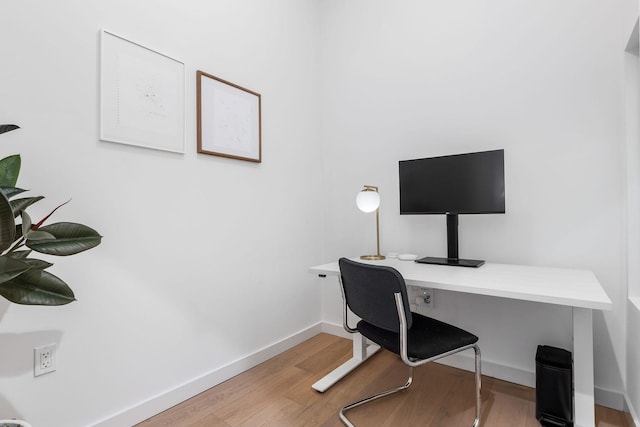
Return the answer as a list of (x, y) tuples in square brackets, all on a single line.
[(633, 361), (204, 259), (541, 79), (632, 93), (169, 297)]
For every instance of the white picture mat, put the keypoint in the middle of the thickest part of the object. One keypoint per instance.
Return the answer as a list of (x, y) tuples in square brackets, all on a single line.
[(142, 96), (230, 120)]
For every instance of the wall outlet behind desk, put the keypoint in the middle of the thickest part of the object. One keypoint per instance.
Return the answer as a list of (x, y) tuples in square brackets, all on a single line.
[(421, 299)]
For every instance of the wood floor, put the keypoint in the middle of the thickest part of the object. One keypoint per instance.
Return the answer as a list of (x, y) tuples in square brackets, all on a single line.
[(278, 393)]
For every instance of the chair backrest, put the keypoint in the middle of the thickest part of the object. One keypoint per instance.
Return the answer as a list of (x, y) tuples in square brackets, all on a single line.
[(370, 291)]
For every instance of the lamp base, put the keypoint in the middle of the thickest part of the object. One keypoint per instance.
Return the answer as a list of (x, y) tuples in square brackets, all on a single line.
[(372, 257)]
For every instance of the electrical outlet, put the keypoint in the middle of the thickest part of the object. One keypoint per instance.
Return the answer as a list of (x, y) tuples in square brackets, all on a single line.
[(425, 297), (44, 359)]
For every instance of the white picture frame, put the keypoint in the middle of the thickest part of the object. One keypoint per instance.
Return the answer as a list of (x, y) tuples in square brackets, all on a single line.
[(142, 95), (229, 119)]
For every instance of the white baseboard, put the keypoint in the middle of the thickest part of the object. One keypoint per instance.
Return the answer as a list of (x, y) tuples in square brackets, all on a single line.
[(633, 415), (162, 401), (334, 329), (165, 400), (601, 396), (604, 397), (609, 398)]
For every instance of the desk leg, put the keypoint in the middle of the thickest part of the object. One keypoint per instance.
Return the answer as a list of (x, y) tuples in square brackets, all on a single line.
[(361, 352), (584, 408)]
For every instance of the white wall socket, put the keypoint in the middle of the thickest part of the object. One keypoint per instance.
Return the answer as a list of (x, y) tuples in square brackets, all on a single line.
[(425, 297), (44, 359)]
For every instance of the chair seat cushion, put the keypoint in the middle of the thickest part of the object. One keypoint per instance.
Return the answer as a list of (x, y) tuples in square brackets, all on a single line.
[(427, 337)]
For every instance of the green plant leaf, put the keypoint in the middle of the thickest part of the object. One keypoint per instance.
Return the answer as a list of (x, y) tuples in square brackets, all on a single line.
[(7, 224), (18, 232), (8, 128), (37, 287), (26, 223), (11, 268), (37, 263), (9, 170), (70, 238), (19, 254), (40, 235), (18, 205), (11, 191)]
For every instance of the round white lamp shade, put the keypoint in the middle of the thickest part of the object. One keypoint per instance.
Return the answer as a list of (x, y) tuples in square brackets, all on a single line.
[(368, 201)]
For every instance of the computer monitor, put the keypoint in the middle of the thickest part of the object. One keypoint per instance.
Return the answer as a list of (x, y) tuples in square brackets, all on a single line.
[(470, 183)]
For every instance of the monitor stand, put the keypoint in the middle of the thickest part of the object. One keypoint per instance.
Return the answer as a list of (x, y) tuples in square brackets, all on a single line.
[(452, 248), (456, 262)]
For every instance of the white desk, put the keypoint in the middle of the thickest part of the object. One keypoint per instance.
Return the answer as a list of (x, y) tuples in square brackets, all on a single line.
[(578, 289)]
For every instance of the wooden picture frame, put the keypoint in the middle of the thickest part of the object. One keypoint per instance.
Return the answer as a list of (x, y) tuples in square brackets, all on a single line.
[(229, 119), (142, 95)]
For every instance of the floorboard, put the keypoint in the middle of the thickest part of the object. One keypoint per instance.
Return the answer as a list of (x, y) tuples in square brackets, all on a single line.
[(278, 393)]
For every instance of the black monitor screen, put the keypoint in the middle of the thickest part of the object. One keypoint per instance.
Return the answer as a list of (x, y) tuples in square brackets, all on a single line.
[(471, 183)]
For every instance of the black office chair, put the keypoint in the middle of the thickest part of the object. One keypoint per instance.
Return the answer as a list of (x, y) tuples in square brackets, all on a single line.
[(378, 295)]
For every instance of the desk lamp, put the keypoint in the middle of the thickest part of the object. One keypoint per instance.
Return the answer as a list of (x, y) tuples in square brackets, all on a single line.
[(368, 200)]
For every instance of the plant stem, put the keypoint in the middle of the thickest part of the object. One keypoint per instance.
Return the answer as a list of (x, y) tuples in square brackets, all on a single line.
[(16, 245)]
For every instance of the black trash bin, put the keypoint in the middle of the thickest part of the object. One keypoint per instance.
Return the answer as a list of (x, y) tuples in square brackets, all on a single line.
[(554, 387)]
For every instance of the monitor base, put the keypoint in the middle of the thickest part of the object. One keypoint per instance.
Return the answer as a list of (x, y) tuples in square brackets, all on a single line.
[(455, 262)]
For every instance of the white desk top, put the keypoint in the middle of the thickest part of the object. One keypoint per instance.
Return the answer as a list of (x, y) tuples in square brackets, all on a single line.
[(575, 288)]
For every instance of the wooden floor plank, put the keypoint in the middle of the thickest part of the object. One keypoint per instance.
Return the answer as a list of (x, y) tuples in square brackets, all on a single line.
[(280, 411), (278, 393)]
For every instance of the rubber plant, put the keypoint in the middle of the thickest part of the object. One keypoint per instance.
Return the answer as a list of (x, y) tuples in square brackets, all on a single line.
[(23, 279)]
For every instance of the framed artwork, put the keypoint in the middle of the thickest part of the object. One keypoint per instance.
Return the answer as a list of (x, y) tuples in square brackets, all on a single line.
[(229, 119), (142, 95)]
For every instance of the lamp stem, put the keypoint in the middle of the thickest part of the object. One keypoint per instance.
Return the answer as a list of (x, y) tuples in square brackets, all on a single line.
[(378, 232), (377, 256)]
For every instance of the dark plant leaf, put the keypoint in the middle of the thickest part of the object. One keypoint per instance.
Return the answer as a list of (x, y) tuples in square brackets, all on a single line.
[(70, 238), (11, 191), (8, 128), (37, 287), (16, 263), (18, 205), (9, 170), (39, 235), (26, 223), (7, 224), (19, 254), (11, 268), (31, 263), (37, 264), (18, 232)]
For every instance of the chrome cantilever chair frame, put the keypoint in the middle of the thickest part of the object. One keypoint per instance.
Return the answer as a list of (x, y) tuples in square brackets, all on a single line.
[(407, 360)]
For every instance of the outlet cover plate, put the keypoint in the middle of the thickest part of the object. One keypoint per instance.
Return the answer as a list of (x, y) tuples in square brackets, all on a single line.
[(44, 360), (427, 295)]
